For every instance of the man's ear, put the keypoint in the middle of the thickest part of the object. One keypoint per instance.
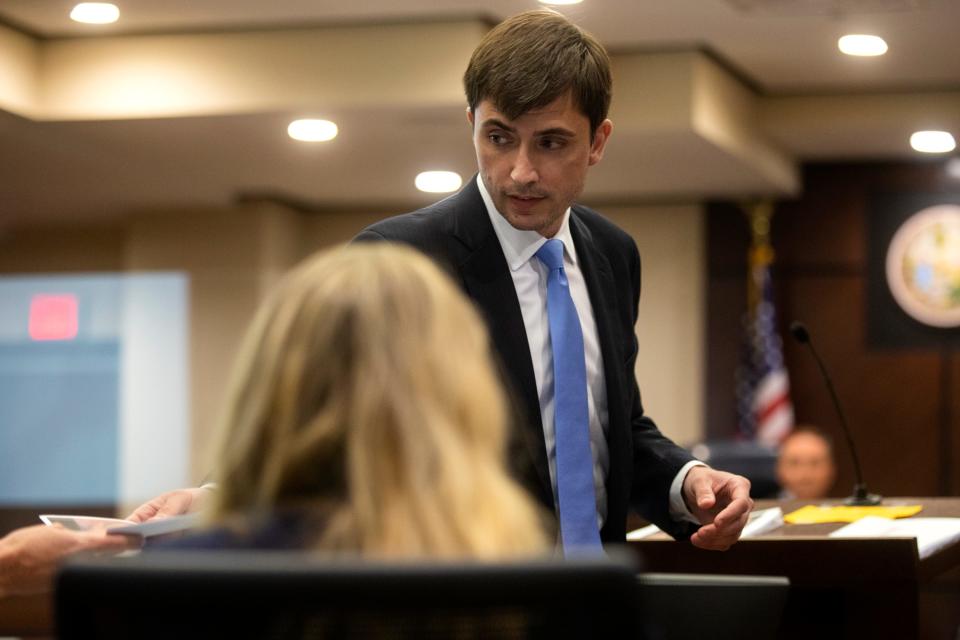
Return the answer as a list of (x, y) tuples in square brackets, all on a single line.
[(600, 137), (470, 116)]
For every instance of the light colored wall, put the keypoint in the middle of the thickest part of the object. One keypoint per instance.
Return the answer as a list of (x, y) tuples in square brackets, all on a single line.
[(19, 60), (671, 325), (327, 229), (62, 248), (231, 256), (257, 71)]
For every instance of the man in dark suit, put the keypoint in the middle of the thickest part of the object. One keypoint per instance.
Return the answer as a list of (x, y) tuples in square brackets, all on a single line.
[(538, 90)]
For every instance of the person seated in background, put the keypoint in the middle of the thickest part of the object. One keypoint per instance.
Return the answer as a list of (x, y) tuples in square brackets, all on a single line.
[(29, 556), (364, 416), (805, 467)]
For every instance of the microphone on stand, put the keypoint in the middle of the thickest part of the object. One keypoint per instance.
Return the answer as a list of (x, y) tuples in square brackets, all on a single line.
[(860, 497)]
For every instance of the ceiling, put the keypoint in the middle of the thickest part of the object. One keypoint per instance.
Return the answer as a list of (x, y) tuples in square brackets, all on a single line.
[(778, 45), (778, 49)]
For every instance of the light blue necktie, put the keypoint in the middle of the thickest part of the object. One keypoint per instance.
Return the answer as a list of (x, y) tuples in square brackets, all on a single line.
[(576, 493)]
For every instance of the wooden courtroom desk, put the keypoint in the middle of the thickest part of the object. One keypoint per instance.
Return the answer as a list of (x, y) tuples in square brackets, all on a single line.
[(847, 588)]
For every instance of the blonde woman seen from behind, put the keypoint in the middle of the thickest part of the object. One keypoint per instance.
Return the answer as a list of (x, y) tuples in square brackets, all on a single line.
[(364, 416)]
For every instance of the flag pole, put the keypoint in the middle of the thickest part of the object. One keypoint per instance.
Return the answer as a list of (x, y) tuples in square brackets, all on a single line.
[(763, 388)]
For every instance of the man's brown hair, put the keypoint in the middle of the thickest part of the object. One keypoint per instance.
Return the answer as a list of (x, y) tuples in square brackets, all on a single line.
[(533, 58)]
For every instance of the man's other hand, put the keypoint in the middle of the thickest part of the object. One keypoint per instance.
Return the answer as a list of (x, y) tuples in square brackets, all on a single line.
[(721, 502)]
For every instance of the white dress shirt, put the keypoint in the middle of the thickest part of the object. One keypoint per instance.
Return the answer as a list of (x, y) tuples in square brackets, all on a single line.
[(530, 280)]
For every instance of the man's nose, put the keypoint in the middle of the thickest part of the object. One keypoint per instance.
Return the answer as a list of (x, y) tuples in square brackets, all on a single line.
[(524, 170)]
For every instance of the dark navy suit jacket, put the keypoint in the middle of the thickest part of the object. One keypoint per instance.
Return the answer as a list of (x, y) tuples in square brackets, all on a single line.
[(458, 234)]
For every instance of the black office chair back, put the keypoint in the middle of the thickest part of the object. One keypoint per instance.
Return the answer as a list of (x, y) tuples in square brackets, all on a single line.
[(292, 595)]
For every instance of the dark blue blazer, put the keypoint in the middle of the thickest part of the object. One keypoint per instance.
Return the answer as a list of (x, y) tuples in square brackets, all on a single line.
[(457, 232)]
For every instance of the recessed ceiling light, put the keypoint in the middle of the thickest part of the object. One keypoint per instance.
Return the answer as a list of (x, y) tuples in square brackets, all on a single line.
[(560, 2), (438, 181), (312, 130), (862, 45), (932, 141), (95, 13)]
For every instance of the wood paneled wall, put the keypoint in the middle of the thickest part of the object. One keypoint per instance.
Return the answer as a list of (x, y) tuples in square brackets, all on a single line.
[(903, 404)]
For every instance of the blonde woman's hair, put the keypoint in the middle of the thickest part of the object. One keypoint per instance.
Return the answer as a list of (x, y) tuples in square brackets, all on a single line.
[(365, 388)]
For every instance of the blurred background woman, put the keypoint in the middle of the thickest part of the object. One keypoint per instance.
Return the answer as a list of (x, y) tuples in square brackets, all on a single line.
[(364, 415)]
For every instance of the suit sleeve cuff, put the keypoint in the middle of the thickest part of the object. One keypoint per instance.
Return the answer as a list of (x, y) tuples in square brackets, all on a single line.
[(678, 507)]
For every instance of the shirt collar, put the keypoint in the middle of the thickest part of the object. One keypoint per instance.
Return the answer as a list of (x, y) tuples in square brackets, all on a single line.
[(520, 245)]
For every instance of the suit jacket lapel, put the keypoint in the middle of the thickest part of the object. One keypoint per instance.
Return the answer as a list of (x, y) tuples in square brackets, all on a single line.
[(487, 280), (598, 276)]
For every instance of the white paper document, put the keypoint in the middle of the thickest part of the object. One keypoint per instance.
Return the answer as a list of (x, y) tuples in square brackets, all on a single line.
[(760, 522), (83, 523), (643, 532), (932, 534), (119, 526), (763, 521)]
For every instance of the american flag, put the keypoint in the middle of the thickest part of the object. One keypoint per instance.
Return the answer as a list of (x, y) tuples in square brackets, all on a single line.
[(763, 387)]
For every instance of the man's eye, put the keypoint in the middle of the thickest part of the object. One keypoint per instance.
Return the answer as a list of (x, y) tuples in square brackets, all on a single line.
[(497, 138), (552, 143)]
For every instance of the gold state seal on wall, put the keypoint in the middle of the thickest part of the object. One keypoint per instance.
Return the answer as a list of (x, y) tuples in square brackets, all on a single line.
[(923, 266)]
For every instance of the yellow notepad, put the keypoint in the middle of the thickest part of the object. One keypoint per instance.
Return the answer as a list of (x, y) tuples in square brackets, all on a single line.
[(813, 514)]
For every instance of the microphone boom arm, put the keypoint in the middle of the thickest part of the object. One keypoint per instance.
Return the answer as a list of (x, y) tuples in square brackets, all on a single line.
[(860, 497)]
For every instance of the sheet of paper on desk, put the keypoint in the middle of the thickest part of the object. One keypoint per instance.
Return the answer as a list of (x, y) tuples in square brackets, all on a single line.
[(763, 521), (643, 532), (760, 522), (932, 534)]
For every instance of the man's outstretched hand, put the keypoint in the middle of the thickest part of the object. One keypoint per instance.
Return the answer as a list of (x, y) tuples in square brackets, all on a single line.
[(721, 502)]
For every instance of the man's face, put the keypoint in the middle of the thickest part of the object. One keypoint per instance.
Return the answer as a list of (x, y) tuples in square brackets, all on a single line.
[(535, 166), (805, 466)]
